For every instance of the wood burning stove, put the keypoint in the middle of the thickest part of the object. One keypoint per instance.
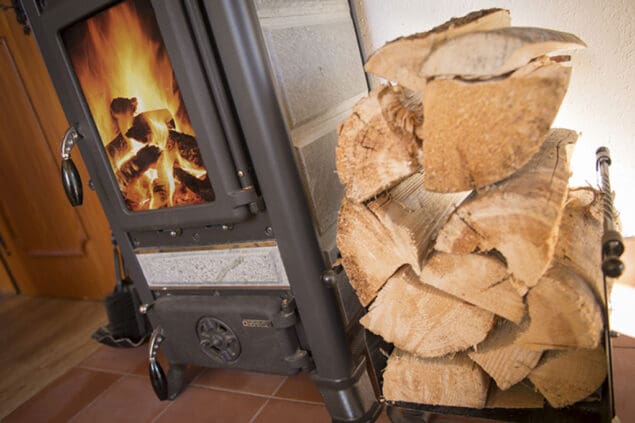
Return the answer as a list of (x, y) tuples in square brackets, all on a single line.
[(218, 179)]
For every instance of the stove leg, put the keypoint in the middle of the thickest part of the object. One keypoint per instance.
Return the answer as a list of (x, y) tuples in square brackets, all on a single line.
[(176, 380), (351, 400)]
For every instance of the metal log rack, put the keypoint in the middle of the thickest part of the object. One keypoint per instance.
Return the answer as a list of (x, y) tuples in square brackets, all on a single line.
[(600, 408)]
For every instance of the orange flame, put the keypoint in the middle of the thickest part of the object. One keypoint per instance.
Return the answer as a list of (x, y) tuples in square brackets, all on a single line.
[(118, 56)]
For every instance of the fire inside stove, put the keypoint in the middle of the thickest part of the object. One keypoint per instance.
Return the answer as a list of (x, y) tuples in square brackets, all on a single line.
[(129, 85)]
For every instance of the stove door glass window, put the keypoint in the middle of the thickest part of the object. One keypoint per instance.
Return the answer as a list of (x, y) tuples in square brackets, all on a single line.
[(128, 82)]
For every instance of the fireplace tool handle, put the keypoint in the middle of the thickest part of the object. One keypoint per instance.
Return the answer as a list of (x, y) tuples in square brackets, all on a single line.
[(612, 243), (71, 180)]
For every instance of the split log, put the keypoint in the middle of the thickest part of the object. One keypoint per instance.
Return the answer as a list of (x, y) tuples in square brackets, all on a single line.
[(451, 381), (133, 168), (401, 60), (413, 217), (423, 320), (488, 54), (519, 216), (374, 150), (520, 395), (503, 123), (563, 313), (566, 377), (200, 187), (145, 124), (579, 245), (506, 362), (477, 279), (122, 111), (397, 228)]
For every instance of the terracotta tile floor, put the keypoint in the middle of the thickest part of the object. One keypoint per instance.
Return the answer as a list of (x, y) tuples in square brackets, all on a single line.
[(112, 386)]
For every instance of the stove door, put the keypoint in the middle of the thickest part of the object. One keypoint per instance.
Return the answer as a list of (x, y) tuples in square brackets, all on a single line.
[(157, 130)]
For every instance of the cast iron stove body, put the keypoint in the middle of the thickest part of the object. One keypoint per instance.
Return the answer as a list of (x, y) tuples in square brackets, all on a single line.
[(217, 175)]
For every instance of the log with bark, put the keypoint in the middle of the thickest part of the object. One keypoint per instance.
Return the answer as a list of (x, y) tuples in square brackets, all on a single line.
[(401, 60), (377, 147), (487, 54), (200, 187), (519, 216), (146, 124), (453, 380), (566, 377), (398, 227), (423, 320)]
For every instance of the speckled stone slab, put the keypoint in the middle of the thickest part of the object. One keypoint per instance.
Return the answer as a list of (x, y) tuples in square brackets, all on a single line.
[(256, 266)]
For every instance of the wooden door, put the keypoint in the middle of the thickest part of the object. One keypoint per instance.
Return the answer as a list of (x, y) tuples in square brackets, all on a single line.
[(50, 248)]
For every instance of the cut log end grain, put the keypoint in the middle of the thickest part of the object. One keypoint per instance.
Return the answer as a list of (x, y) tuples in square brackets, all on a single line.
[(477, 279), (377, 147), (566, 377), (423, 320), (478, 133), (369, 255), (451, 381), (579, 245), (401, 60), (563, 313), (506, 362), (517, 217), (486, 54), (521, 395), (397, 228)]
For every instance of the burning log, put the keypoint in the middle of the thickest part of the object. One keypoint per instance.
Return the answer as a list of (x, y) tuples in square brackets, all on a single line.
[(146, 123), (187, 146), (118, 148), (133, 168), (122, 111), (201, 187)]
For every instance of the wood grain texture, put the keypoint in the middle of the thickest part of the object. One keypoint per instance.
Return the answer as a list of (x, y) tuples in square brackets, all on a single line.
[(400, 60), (376, 145), (519, 216), (506, 362), (42, 339), (563, 313), (579, 245), (43, 271), (454, 380), (423, 320), (477, 279), (503, 123), (521, 395), (486, 54), (566, 377)]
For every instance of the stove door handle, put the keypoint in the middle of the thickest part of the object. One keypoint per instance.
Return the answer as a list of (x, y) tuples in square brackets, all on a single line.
[(71, 179)]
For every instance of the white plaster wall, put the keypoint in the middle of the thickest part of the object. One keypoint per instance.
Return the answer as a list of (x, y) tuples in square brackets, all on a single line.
[(601, 99)]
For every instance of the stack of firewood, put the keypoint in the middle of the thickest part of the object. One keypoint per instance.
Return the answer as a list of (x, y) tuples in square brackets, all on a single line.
[(458, 228)]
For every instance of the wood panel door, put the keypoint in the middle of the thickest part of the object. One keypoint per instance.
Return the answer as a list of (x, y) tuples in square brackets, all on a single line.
[(50, 248)]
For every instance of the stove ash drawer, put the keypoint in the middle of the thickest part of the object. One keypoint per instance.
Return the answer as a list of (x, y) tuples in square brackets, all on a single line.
[(249, 332)]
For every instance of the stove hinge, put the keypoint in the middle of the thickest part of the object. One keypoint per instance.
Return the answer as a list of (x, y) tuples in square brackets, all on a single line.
[(248, 197), (285, 323)]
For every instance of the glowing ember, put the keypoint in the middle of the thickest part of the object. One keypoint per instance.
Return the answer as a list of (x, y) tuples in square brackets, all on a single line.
[(129, 85)]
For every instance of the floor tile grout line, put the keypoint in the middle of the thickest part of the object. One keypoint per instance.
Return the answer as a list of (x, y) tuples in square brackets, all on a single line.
[(260, 410), (171, 402), (95, 399), (231, 391), (99, 369)]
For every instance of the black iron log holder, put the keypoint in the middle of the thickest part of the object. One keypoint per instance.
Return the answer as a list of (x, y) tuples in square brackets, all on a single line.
[(601, 409)]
